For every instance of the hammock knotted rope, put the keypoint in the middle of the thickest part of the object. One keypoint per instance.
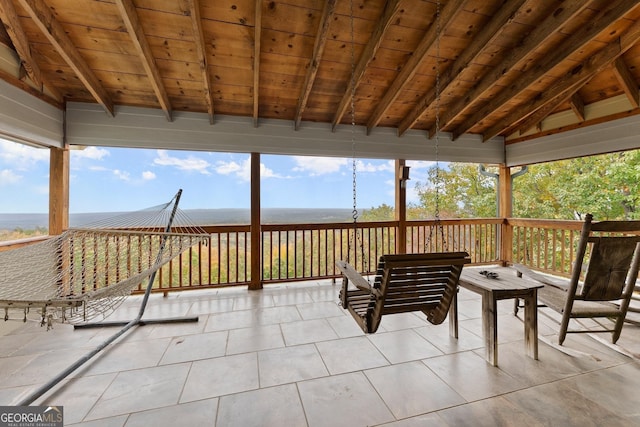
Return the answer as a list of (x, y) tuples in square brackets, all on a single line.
[(86, 272)]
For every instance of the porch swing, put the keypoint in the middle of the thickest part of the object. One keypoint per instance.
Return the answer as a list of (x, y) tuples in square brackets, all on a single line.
[(425, 282)]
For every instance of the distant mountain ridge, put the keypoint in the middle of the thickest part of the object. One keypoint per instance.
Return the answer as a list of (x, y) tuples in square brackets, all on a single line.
[(30, 221)]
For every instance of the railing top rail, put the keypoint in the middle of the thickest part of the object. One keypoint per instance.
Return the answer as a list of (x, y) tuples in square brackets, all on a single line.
[(546, 223)]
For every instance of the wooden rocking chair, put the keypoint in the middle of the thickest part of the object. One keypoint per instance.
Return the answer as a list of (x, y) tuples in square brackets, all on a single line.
[(403, 283), (611, 274)]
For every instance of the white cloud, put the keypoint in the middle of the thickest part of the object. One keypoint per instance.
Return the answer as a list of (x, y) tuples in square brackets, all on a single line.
[(148, 175), (243, 171), (123, 175), (21, 156), (191, 163), (370, 167), (227, 168), (93, 153), (318, 165), (7, 176)]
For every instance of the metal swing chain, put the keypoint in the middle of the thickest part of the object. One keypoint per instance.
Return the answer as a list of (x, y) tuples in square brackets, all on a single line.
[(438, 177), (354, 163)]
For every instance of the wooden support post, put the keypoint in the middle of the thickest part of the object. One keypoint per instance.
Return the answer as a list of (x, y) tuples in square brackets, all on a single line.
[(505, 210), (256, 232), (401, 206), (58, 190)]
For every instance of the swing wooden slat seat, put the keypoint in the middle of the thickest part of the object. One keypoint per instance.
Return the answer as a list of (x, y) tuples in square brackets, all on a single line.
[(403, 283), (611, 262)]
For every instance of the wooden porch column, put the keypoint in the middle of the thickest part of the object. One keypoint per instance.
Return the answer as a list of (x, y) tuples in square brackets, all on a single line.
[(58, 190), (506, 205), (256, 232), (401, 207)]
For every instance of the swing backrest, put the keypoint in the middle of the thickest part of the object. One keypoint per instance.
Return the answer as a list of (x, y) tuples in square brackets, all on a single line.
[(418, 282)]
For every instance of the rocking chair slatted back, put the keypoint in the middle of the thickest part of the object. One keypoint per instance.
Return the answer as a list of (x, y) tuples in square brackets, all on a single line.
[(612, 258), (403, 283)]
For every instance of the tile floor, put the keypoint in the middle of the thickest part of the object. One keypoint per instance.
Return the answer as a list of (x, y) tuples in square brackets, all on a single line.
[(290, 356)]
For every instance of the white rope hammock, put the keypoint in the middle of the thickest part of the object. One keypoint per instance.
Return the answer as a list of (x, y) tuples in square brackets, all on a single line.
[(86, 272)]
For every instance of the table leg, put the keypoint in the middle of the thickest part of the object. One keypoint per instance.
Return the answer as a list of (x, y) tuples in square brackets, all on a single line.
[(490, 327), (531, 324), (453, 317)]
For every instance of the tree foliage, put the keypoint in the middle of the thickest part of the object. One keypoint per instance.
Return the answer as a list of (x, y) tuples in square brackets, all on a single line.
[(607, 186)]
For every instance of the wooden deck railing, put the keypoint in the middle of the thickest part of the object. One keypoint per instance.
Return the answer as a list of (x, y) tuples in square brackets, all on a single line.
[(296, 252)]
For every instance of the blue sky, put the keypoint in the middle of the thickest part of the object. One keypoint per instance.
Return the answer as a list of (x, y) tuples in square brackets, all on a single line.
[(116, 179)]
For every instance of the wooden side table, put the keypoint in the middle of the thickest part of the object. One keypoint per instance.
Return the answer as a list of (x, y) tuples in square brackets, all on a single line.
[(505, 286)]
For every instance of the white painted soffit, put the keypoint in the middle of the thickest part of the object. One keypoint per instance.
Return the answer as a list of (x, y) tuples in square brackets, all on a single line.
[(89, 125), (27, 119), (616, 135)]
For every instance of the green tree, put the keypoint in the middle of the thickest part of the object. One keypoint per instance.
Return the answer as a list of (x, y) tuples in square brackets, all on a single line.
[(606, 186), (463, 192)]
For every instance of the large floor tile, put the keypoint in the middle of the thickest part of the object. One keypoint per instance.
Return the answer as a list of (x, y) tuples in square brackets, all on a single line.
[(558, 404), (319, 310), (350, 354), (200, 413), (231, 320), (400, 385), (290, 364), (307, 331), (471, 376), (403, 346), (616, 388), (195, 347), (124, 356), (78, 396), (439, 336), (254, 339), (494, 412), (267, 407), (140, 390), (222, 375), (342, 400)]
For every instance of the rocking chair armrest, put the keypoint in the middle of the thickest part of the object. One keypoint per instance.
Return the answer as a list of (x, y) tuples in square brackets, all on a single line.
[(558, 284)]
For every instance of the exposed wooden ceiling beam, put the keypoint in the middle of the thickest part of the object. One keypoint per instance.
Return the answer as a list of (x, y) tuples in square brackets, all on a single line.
[(573, 43), (388, 15), (256, 62), (11, 21), (577, 105), (312, 69), (548, 27), (198, 35), (449, 11), (505, 14), (53, 31), (534, 112), (132, 22), (627, 81)]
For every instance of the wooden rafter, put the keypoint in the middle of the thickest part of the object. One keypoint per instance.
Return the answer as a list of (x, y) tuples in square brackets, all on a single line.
[(198, 35), (505, 14), (577, 105), (132, 22), (550, 25), (256, 62), (54, 32), (388, 15), (9, 17), (627, 81), (449, 11), (312, 69), (572, 44), (566, 86)]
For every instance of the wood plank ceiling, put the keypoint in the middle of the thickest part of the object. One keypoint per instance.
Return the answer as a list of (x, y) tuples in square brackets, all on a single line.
[(489, 67)]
